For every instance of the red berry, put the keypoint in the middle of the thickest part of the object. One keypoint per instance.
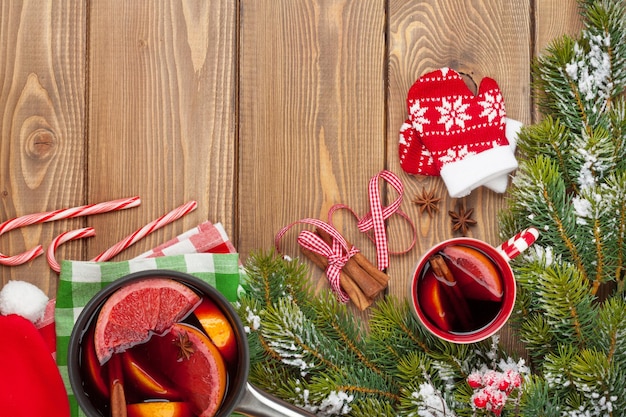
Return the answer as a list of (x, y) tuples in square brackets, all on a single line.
[(504, 385), (480, 400), (475, 380)]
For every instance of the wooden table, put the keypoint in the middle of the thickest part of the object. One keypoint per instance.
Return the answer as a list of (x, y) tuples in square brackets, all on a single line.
[(264, 111)]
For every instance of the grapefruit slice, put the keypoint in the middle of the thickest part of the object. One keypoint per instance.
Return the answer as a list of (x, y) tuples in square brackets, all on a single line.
[(159, 409), (434, 302), (219, 329), (476, 274), (135, 311), (193, 364)]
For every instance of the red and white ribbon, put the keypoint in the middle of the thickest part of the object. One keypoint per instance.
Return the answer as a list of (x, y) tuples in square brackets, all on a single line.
[(139, 234), (50, 216), (337, 253), (375, 219), (518, 243)]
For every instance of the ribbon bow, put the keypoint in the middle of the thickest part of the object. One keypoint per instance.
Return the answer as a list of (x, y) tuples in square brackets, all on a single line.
[(337, 253)]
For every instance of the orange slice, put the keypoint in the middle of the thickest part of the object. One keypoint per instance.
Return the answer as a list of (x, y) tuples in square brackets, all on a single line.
[(145, 380), (159, 409), (476, 274), (218, 328), (434, 302)]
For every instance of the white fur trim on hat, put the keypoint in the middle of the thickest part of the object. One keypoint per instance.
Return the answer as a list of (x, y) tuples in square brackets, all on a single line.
[(24, 299)]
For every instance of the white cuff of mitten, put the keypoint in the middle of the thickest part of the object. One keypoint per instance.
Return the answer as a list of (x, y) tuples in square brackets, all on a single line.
[(462, 176), (513, 128)]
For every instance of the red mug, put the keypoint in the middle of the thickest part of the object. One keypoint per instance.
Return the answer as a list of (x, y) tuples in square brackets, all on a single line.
[(463, 290)]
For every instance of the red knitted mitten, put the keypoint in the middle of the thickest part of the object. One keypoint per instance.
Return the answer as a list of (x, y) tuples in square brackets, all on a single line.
[(464, 134), (414, 157)]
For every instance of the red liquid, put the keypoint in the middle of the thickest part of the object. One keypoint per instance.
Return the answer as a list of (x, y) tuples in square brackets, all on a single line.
[(461, 307), (142, 367)]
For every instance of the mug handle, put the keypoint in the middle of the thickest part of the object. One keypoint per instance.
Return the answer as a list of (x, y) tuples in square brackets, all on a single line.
[(518, 243)]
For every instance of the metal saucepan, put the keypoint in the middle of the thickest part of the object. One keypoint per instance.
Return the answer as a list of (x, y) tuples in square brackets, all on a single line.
[(241, 396)]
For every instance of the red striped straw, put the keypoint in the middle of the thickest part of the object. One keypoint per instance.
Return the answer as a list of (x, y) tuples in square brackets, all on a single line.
[(50, 216), (518, 243), (61, 239), (139, 234)]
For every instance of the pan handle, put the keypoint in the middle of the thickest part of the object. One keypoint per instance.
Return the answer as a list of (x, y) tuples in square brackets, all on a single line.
[(256, 403)]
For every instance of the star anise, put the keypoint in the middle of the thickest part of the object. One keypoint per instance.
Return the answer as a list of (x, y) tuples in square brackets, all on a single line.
[(462, 220), (185, 346), (427, 202)]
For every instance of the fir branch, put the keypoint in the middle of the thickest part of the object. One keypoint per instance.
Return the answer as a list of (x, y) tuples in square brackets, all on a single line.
[(610, 331), (537, 334), (369, 407), (551, 139), (541, 199), (296, 340), (334, 319), (605, 19), (394, 326), (539, 400), (566, 300), (615, 226), (275, 277), (598, 382)]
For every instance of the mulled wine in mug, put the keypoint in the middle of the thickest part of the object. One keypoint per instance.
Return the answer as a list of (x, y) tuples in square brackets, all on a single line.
[(463, 289)]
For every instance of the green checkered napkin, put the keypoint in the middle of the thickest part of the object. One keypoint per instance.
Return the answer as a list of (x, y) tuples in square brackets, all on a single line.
[(80, 281)]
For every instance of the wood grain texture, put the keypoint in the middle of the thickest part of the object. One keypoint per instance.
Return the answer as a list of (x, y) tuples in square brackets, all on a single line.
[(42, 119), (264, 111), (161, 114), (553, 19), (311, 114)]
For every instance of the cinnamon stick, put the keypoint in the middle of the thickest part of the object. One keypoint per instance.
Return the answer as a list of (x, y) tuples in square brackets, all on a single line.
[(347, 283), (371, 269), (459, 303), (118, 400), (369, 278)]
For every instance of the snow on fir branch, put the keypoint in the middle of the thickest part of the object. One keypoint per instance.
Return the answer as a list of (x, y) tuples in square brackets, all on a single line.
[(571, 185), (570, 311)]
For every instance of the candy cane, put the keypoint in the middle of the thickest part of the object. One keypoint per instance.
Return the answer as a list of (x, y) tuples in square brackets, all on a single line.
[(139, 234), (50, 216), (62, 238), (518, 243)]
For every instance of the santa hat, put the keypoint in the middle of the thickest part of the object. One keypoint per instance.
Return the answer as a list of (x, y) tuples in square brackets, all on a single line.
[(30, 382)]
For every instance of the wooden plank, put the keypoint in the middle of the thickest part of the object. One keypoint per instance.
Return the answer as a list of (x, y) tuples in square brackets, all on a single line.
[(481, 38), (312, 115), (161, 114), (553, 19), (42, 89)]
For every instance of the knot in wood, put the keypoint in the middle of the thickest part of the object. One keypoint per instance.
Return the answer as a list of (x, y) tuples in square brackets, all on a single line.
[(41, 144)]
